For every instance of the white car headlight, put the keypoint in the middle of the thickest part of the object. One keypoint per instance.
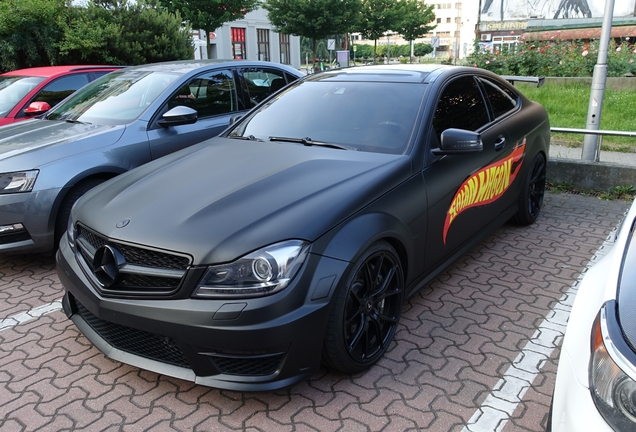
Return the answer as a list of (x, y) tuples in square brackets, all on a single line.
[(613, 390), (263, 272), (15, 182)]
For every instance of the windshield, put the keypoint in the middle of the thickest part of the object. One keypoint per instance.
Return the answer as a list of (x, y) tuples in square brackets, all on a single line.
[(367, 116), (13, 89), (115, 99)]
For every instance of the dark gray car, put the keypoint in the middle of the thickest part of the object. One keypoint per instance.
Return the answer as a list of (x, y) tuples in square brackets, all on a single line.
[(116, 123)]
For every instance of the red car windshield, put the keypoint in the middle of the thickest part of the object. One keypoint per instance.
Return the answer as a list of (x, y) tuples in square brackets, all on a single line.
[(13, 89)]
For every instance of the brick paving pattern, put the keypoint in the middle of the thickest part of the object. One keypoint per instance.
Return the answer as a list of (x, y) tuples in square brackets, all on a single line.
[(457, 338)]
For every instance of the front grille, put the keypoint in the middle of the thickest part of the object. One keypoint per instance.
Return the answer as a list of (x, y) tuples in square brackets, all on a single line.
[(247, 366), (137, 342), (145, 272)]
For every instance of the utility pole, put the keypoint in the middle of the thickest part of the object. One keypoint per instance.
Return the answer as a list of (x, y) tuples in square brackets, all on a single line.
[(599, 78)]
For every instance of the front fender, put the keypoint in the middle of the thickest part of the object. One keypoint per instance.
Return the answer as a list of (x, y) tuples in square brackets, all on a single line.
[(350, 239)]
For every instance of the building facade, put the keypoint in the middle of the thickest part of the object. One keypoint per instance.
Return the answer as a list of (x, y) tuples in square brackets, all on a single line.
[(505, 23), (454, 34), (252, 38)]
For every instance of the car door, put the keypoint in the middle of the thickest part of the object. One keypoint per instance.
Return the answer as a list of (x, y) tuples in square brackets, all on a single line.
[(466, 191), (213, 95)]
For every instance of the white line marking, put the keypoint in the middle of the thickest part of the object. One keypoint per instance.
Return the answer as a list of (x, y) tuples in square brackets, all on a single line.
[(34, 313), (499, 405)]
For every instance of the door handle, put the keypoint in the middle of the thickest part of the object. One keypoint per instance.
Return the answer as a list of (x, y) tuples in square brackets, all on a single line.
[(500, 143)]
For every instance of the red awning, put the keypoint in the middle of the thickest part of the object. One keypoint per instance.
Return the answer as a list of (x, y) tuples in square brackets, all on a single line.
[(574, 34)]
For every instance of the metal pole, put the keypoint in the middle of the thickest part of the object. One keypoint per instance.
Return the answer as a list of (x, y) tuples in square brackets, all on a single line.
[(599, 78)]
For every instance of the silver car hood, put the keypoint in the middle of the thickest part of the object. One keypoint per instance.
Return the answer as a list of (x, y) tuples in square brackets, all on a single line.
[(29, 138)]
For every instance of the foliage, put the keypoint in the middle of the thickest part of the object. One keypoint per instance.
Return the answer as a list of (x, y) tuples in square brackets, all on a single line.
[(556, 58), (29, 30), (414, 19), (313, 19), (124, 32), (210, 14)]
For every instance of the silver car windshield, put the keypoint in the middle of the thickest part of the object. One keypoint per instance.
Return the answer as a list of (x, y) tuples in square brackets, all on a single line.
[(366, 116), (13, 89), (115, 99)]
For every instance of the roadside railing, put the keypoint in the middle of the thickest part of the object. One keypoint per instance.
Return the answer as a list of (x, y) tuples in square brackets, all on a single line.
[(599, 134)]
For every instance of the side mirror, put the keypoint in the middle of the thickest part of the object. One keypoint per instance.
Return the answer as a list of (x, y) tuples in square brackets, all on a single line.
[(459, 141), (37, 108), (179, 115)]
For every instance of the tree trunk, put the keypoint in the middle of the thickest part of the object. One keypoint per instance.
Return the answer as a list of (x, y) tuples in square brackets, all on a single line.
[(313, 55), (375, 45)]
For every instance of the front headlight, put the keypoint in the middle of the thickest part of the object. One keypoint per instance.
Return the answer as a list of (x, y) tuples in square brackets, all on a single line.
[(613, 391), (263, 272), (15, 182)]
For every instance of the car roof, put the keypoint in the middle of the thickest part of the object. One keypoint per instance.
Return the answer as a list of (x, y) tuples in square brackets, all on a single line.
[(186, 66), (413, 73), (50, 71)]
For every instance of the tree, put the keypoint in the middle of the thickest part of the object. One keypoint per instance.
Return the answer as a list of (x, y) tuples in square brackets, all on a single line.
[(29, 30), (209, 15), (124, 32), (377, 18), (415, 17), (313, 19)]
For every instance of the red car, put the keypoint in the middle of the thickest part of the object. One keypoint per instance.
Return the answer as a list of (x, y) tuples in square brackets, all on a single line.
[(29, 92)]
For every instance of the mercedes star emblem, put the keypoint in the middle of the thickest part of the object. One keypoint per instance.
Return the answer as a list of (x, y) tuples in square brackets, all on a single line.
[(106, 264)]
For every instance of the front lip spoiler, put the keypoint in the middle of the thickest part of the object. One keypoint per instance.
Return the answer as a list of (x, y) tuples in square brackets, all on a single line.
[(221, 381)]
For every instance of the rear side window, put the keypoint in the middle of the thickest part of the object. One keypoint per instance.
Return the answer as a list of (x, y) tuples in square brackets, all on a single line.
[(259, 83), (59, 89), (501, 99), (211, 94), (461, 106)]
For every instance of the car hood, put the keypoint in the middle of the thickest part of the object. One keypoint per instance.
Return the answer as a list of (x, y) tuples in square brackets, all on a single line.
[(226, 197), (37, 142)]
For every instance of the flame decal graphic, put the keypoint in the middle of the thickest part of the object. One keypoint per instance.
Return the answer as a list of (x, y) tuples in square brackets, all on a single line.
[(486, 185)]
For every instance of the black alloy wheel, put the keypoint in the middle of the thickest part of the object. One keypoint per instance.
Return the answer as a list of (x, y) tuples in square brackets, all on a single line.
[(531, 197), (367, 310)]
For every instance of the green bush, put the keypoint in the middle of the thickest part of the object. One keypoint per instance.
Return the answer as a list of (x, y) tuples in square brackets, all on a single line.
[(556, 58)]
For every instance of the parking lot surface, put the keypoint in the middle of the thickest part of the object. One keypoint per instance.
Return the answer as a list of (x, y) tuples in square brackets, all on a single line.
[(476, 350)]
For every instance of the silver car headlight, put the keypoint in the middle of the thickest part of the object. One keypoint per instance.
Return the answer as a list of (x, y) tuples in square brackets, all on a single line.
[(263, 272), (613, 391), (14, 182)]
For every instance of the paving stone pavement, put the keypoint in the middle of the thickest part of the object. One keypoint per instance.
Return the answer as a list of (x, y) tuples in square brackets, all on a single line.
[(457, 338)]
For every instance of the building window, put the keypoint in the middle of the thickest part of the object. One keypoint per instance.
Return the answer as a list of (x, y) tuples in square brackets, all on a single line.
[(448, 20), (238, 43), (439, 20), (458, 6), (284, 48), (263, 44)]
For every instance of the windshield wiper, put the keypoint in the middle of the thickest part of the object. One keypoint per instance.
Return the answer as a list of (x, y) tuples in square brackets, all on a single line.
[(76, 121), (249, 137), (309, 142)]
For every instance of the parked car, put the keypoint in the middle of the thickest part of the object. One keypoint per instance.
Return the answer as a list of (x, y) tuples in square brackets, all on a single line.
[(26, 93), (596, 378), (297, 234), (116, 123)]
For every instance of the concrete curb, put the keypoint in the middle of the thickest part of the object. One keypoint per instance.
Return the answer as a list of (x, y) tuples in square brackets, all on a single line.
[(590, 175)]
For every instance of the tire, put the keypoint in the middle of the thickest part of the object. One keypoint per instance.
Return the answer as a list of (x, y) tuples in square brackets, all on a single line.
[(366, 310), (64, 212), (531, 196)]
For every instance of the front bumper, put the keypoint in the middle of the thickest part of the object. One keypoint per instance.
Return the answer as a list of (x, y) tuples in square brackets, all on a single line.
[(573, 409), (33, 211), (258, 344)]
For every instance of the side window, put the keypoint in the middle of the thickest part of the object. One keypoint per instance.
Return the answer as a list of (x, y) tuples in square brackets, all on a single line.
[(501, 99), (211, 94), (57, 90), (260, 83), (460, 106)]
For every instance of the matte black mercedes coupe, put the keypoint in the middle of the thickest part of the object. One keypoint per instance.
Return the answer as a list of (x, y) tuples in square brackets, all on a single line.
[(296, 236)]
